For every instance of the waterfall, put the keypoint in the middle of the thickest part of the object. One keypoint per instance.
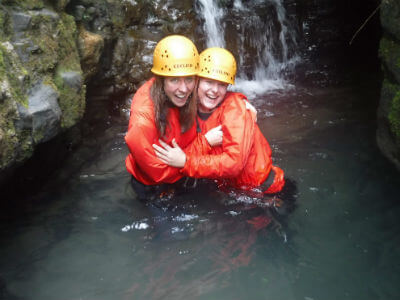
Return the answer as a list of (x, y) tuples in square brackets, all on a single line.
[(260, 37), (213, 15)]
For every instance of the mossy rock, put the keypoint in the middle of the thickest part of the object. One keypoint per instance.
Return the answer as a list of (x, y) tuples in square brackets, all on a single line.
[(389, 52), (72, 96), (389, 108), (51, 55), (25, 4), (394, 114), (60, 5), (388, 133), (15, 145), (390, 17)]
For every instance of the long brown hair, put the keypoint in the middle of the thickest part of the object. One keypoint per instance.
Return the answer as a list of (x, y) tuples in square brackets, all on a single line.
[(187, 113)]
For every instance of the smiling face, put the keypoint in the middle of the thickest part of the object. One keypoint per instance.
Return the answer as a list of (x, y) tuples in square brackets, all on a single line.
[(178, 89), (211, 93)]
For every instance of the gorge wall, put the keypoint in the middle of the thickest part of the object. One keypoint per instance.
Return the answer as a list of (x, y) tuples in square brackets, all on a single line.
[(388, 134), (54, 53)]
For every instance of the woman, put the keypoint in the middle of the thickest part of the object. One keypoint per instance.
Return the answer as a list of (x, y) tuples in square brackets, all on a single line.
[(244, 159), (163, 108)]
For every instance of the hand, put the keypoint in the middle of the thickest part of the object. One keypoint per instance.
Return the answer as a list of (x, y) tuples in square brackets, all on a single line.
[(251, 108), (172, 156), (214, 136)]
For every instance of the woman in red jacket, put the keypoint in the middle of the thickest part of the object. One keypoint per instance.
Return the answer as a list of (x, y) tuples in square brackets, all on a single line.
[(164, 108), (243, 160)]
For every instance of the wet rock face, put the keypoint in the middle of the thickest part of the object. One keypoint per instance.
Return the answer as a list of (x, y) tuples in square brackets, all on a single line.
[(43, 114), (388, 133), (129, 30), (51, 50), (326, 37), (90, 47), (42, 91)]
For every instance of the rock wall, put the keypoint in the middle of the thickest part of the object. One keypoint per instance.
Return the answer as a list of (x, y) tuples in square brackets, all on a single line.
[(388, 133), (42, 92), (54, 52), (124, 33), (51, 50)]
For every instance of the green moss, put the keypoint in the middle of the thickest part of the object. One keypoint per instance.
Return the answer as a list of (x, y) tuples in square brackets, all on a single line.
[(27, 4), (2, 23), (14, 81), (8, 138), (44, 55), (390, 96), (118, 23), (389, 51), (68, 35), (384, 47), (9, 71), (2, 66), (72, 103), (394, 115), (5, 25)]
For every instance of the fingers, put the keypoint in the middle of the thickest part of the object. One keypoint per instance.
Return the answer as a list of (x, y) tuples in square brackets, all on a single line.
[(165, 161), (160, 149), (175, 144), (218, 128), (165, 145), (160, 155)]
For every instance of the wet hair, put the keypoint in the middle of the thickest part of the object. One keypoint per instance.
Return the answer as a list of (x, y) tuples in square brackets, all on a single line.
[(187, 113)]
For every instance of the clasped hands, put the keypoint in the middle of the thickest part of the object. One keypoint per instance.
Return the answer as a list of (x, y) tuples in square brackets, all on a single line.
[(174, 156)]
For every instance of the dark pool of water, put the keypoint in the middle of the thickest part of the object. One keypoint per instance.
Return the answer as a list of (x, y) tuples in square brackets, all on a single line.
[(85, 236)]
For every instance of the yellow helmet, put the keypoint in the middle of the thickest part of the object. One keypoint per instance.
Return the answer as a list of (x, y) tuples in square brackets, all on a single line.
[(218, 64), (175, 55)]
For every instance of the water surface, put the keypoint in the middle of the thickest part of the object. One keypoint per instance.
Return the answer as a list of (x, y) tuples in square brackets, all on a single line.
[(85, 236)]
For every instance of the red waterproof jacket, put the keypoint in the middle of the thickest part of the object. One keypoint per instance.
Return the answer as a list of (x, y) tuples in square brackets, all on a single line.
[(142, 161), (244, 159)]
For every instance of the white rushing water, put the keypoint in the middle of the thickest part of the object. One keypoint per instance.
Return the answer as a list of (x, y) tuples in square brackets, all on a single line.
[(213, 15), (264, 45)]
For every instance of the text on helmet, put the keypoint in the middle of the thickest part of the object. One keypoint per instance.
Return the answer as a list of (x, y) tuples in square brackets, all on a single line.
[(178, 66), (218, 71)]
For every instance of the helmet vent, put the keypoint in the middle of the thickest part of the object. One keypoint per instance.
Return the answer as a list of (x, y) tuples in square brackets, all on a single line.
[(218, 64)]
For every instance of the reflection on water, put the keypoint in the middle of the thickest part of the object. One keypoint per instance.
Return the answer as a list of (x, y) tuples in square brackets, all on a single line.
[(89, 238)]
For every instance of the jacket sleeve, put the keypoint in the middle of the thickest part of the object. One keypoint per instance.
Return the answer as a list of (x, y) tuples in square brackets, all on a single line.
[(238, 128), (199, 146), (139, 139)]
